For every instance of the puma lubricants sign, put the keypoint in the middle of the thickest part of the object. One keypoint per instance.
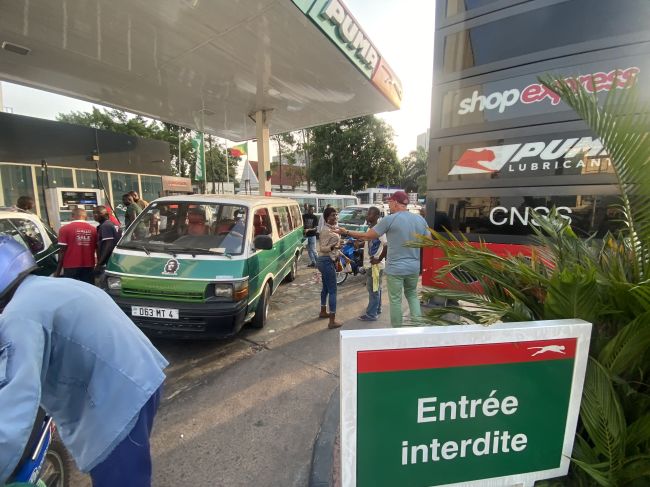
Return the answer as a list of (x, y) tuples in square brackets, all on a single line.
[(461, 405)]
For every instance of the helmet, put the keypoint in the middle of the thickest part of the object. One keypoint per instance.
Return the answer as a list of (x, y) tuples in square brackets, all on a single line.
[(16, 261)]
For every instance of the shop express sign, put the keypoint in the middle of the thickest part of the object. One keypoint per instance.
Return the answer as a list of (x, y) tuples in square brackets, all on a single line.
[(461, 404), (524, 96)]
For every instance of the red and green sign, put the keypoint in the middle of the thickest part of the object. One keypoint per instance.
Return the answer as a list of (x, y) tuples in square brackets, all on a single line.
[(442, 415)]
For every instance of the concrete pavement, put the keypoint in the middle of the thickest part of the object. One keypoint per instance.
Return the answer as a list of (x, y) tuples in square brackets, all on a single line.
[(247, 411)]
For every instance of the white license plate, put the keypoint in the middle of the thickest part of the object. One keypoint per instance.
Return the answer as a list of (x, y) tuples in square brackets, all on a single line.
[(169, 314)]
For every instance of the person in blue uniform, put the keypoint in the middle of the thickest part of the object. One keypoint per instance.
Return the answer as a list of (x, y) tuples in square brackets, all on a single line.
[(66, 346)]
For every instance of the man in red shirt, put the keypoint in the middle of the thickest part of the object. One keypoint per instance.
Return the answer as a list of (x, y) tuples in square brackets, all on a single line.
[(78, 243)]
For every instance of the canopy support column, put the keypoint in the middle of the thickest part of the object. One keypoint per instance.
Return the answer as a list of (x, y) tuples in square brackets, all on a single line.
[(263, 157)]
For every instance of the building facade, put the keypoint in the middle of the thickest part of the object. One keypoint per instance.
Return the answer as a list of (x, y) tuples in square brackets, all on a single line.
[(501, 144), (36, 153)]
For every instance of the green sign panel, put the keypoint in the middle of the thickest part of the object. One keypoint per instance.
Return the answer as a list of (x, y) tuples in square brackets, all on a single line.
[(431, 414), (336, 21)]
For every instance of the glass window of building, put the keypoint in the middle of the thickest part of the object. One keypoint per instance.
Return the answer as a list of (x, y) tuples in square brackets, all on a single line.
[(16, 181), (151, 187), (123, 183), (60, 177), (455, 7), (88, 179), (541, 29)]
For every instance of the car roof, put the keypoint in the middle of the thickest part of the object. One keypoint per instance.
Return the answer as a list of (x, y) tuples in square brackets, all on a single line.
[(15, 213), (244, 200)]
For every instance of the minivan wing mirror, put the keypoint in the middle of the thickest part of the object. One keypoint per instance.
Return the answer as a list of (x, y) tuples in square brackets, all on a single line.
[(263, 242)]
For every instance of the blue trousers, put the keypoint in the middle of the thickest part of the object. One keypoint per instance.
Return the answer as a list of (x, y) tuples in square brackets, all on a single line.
[(129, 464), (328, 277), (311, 249), (374, 297)]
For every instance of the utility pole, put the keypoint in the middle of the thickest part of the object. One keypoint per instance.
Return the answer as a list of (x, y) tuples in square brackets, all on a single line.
[(180, 161), (307, 161)]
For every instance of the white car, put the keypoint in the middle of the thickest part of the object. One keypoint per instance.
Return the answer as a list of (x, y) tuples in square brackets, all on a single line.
[(28, 230)]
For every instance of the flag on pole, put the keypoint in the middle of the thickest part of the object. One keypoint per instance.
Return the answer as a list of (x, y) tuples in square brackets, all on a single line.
[(199, 147), (239, 150)]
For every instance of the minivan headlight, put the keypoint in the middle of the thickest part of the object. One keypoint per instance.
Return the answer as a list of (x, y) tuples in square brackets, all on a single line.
[(223, 290), (231, 290), (114, 283)]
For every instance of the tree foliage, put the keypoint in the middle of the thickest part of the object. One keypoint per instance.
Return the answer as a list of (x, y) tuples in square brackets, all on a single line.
[(414, 171), (286, 144), (353, 154), (135, 125)]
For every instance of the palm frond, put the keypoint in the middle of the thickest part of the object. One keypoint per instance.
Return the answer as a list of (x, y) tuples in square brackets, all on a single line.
[(625, 352), (602, 415), (622, 123)]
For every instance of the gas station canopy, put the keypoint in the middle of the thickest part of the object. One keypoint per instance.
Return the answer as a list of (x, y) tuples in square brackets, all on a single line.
[(204, 64)]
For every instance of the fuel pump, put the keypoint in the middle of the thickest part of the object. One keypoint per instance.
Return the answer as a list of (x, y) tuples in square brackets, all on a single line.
[(61, 201)]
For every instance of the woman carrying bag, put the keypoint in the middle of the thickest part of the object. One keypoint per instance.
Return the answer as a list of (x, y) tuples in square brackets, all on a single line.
[(328, 253)]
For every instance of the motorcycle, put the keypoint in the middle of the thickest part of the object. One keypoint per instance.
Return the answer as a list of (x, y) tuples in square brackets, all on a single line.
[(46, 462), (349, 262)]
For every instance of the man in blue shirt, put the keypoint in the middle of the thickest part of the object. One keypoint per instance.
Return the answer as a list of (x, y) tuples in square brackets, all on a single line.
[(66, 346), (402, 263)]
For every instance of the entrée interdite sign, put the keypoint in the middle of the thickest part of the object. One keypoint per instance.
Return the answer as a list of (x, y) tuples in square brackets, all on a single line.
[(461, 405)]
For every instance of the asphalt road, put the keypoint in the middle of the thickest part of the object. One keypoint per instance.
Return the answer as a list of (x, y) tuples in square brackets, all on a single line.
[(246, 411)]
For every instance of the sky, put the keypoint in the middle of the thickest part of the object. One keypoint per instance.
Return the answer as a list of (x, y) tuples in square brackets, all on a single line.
[(402, 31)]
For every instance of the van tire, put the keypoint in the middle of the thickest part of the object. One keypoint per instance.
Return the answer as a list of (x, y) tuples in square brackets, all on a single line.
[(262, 309), (293, 273)]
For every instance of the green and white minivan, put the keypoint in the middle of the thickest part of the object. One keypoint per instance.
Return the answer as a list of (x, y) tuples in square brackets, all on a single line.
[(201, 266)]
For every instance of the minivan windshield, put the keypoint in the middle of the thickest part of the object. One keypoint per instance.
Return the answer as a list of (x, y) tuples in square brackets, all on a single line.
[(188, 227), (353, 216)]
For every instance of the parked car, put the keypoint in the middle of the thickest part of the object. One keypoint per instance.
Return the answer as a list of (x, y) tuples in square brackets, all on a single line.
[(201, 266), (29, 230), (354, 217)]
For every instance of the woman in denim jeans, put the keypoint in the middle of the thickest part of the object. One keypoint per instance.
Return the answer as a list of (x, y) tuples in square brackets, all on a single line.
[(328, 252)]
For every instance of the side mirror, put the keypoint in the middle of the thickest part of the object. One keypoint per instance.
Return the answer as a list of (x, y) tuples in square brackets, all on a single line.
[(263, 242)]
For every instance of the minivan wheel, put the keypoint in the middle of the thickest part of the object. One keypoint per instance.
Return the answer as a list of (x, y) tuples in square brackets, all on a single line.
[(262, 310), (293, 273)]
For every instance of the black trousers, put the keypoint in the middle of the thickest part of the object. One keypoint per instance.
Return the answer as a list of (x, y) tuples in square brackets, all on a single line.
[(84, 274)]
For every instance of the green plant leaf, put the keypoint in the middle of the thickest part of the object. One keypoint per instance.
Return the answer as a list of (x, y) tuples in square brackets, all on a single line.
[(626, 350), (572, 293), (602, 415), (597, 472), (636, 468), (638, 432)]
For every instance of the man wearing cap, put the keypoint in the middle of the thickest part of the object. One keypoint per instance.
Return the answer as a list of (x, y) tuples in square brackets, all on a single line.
[(402, 263)]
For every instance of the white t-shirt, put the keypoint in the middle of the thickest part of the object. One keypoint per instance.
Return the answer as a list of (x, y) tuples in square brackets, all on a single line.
[(366, 252)]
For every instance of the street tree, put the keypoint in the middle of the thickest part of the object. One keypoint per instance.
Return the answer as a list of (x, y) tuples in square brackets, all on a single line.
[(215, 161), (414, 171), (135, 125), (286, 152), (353, 154)]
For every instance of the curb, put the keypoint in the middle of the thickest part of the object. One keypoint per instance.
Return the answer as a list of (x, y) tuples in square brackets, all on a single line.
[(323, 453)]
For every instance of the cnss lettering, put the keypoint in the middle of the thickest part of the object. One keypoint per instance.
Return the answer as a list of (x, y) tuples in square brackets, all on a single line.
[(500, 215)]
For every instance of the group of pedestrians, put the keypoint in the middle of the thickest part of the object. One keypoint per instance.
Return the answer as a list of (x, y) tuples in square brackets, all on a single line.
[(385, 252), (83, 249)]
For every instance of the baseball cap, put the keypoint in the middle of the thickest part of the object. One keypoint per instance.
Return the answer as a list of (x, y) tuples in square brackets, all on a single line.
[(400, 197)]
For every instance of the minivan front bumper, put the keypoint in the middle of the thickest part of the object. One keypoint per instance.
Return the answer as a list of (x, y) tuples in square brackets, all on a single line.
[(195, 320)]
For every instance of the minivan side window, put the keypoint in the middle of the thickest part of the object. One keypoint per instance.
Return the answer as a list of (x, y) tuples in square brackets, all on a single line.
[(282, 222), (30, 233), (296, 216), (262, 222)]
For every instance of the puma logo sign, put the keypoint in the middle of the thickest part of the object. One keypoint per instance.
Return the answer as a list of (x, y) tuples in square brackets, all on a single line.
[(548, 348)]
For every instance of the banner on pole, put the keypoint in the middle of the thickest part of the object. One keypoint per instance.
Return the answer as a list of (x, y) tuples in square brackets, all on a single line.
[(199, 147)]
